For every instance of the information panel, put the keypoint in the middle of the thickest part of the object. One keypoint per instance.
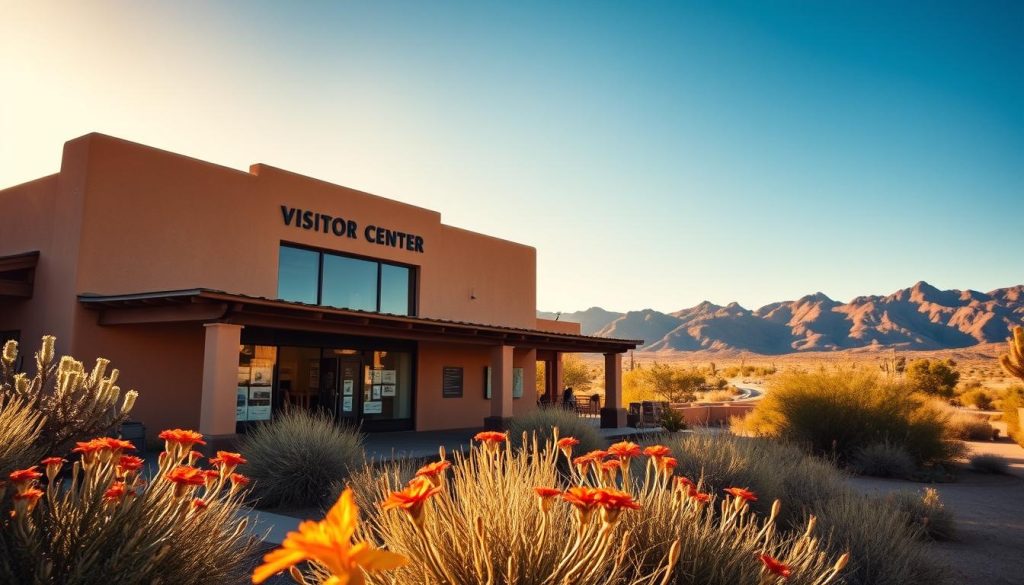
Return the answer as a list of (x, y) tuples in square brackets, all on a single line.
[(451, 382)]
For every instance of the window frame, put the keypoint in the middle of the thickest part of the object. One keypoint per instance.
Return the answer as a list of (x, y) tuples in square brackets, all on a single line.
[(413, 269)]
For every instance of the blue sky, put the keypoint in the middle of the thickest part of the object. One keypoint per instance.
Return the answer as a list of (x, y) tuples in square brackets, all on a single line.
[(656, 154)]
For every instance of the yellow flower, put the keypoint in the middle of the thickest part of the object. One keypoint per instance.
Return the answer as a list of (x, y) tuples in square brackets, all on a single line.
[(329, 542)]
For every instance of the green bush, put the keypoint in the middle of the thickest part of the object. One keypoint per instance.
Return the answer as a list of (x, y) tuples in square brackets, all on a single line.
[(968, 427), (883, 542), (935, 377), (672, 420), (926, 511), (296, 459), (882, 460), (987, 463), (544, 420), (836, 413)]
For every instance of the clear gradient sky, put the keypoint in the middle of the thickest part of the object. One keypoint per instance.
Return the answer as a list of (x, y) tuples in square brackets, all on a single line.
[(656, 154)]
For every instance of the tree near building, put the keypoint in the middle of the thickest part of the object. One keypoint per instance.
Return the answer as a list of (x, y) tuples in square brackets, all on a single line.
[(673, 384), (934, 377), (576, 374)]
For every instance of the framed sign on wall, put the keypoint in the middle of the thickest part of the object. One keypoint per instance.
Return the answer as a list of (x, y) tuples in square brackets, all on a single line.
[(451, 382)]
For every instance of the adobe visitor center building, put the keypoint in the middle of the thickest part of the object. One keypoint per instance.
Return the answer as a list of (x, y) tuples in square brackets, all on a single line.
[(226, 296)]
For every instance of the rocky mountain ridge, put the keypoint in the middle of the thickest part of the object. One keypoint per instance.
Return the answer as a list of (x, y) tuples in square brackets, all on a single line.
[(920, 317)]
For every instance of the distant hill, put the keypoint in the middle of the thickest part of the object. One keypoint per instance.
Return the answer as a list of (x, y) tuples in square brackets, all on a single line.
[(920, 317)]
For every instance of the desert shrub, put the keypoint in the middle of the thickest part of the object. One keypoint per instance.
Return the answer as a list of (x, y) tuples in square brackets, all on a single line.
[(884, 546), (935, 377), (968, 427), (882, 460), (1012, 404), (543, 421), (672, 420), (295, 459), (112, 526), (484, 522), (75, 404), (988, 463), (980, 399), (105, 523), (835, 413), (926, 511), (718, 396)]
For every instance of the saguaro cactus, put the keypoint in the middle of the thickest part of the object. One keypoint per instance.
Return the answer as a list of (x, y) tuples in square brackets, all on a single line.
[(1013, 362)]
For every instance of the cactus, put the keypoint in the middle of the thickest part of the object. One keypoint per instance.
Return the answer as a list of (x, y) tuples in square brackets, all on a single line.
[(77, 404), (1013, 362)]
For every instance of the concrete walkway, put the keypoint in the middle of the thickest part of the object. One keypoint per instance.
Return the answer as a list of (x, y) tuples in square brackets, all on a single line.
[(418, 444)]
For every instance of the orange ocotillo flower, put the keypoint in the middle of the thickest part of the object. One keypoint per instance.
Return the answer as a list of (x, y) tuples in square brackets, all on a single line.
[(115, 492), (657, 451), (329, 543), (490, 440), (546, 496), (181, 438), (185, 478), (584, 500), (25, 501), (741, 494), (612, 502), (668, 465), (24, 479), (625, 450), (697, 496), (566, 444), (433, 471), (412, 498), (228, 461), (775, 567)]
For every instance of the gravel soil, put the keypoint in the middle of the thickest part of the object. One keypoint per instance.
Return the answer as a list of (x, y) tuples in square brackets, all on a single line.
[(989, 514)]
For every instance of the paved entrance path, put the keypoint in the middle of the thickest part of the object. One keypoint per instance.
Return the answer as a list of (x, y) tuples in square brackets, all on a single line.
[(415, 444)]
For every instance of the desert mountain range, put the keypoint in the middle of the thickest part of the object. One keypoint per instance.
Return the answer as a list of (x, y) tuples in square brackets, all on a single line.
[(921, 317)]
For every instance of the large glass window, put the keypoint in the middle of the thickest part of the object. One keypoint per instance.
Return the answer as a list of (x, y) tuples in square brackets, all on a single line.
[(394, 289), (335, 280), (297, 275), (350, 283)]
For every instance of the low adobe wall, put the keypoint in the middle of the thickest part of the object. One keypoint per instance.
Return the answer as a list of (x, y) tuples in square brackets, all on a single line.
[(712, 413)]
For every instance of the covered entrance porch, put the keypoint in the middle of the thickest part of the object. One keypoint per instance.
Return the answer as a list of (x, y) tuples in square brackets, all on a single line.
[(459, 372)]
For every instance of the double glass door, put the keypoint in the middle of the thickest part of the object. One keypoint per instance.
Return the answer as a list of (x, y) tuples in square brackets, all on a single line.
[(368, 388)]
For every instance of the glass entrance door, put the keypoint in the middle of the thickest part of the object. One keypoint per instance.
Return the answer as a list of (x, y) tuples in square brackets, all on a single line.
[(350, 389)]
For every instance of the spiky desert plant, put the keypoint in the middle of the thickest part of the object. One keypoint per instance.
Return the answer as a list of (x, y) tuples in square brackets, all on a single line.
[(299, 457), (505, 515), (76, 403), (1013, 360), (107, 524), (20, 427)]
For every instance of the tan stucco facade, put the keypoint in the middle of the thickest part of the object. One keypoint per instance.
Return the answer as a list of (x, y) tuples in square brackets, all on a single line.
[(121, 218)]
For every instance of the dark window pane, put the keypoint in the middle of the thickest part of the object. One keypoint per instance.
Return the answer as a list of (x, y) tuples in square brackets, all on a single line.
[(297, 275), (349, 283), (394, 289)]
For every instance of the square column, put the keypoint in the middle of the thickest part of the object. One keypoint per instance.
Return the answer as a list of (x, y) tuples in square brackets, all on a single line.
[(220, 381), (555, 380), (501, 388), (613, 415)]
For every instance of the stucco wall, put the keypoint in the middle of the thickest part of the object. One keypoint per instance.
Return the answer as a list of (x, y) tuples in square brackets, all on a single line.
[(434, 412)]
